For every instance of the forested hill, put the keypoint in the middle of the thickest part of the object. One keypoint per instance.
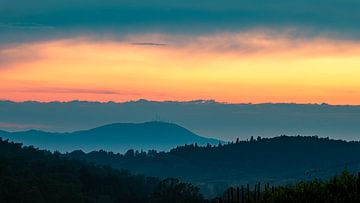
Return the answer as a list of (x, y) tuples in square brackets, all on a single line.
[(31, 175), (276, 160)]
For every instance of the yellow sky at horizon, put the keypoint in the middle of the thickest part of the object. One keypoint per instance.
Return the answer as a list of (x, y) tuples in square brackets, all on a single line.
[(232, 68)]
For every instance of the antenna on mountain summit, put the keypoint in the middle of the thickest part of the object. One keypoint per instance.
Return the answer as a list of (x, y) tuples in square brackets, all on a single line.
[(157, 117)]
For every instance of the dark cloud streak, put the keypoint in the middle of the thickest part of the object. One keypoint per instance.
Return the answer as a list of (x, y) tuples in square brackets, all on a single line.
[(337, 18), (148, 44)]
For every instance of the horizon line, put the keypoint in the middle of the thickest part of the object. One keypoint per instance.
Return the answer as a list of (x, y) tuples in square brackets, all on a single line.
[(198, 101)]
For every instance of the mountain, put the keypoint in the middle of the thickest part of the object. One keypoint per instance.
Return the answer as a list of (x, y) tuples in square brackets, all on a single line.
[(207, 118), (278, 160), (116, 137)]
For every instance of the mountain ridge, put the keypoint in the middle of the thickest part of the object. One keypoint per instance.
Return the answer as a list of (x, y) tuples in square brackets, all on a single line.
[(196, 101), (206, 118), (115, 137)]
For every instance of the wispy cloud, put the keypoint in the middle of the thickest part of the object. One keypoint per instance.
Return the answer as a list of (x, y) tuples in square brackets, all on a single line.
[(57, 90), (20, 126), (15, 54), (254, 41), (24, 26), (148, 44), (251, 42)]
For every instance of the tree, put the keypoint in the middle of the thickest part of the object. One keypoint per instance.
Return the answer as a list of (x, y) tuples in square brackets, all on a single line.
[(130, 153), (252, 139), (174, 191)]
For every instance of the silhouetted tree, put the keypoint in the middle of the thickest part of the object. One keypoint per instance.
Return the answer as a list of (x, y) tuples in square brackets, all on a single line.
[(130, 153), (171, 190)]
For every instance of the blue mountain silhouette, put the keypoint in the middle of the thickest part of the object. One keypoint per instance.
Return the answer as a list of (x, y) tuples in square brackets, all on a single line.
[(117, 137)]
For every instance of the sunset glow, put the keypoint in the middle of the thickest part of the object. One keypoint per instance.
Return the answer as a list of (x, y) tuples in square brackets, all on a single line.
[(234, 68)]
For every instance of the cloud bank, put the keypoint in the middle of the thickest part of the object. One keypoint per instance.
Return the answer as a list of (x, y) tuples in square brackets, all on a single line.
[(41, 19)]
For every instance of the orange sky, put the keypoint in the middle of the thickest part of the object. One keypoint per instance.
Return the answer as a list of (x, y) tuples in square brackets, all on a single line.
[(227, 67)]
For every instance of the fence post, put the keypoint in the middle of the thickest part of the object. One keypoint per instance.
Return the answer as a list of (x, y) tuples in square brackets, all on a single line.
[(259, 188), (242, 194), (255, 192), (248, 192), (237, 195), (232, 194), (228, 195), (358, 183)]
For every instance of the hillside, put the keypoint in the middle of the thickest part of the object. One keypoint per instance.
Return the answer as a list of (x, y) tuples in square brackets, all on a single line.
[(117, 137), (31, 175), (278, 160)]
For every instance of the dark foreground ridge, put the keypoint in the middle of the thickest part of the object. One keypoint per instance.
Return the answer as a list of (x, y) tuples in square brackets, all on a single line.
[(278, 161), (31, 175)]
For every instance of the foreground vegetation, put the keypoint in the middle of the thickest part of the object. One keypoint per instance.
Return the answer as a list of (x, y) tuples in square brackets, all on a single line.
[(344, 188), (31, 175)]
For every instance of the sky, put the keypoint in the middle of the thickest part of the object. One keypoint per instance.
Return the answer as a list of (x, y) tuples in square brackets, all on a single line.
[(231, 51)]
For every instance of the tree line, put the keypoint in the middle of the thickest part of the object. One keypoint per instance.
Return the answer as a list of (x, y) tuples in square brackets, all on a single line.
[(28, 174)]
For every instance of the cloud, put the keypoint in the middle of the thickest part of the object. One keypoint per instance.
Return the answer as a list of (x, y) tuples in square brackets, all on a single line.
[(148, 44), (68, 90), (336, 18), (20, 126), (24, 26), (11, 55), (256, 42)]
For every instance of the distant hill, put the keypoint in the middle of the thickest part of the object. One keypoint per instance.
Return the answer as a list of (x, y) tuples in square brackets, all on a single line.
[(116, 137), (205, 117), (278, 160)]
